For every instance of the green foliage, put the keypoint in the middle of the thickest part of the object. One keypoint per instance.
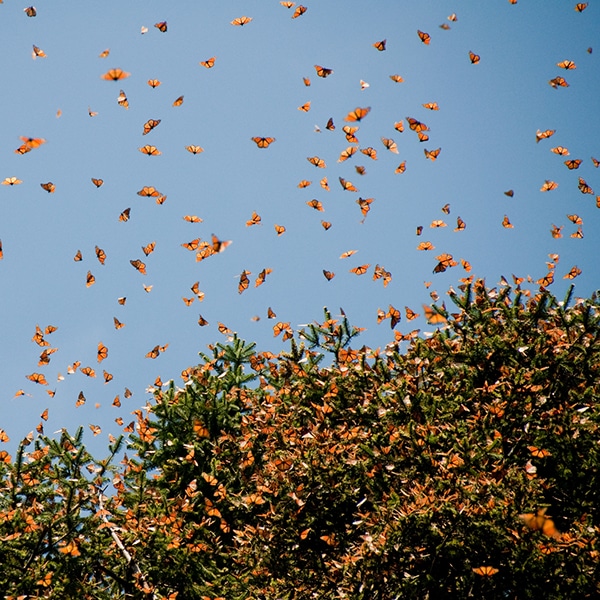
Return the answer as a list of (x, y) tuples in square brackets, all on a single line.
[(341, 473)]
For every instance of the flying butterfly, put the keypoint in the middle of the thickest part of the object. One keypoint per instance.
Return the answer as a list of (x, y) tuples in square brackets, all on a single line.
[(150, 125), (102, 352), (347, 153), (567, 65), (390, 144), (241, 21), (124, 216), (380, 45), (37, 53), (100, 255), (263, 142), (542, 135), (573, 163), (506, 223), (88, 371), (360, 269), (178, 101), (424, 37), (548, 186), (475, 58), (370, 152), (104, 53), (280, 229), (330, 126), (558, 82), (115, 75), (153, 83), (316, 161), (431, 106), (581, 6), (432, 154), (254, 220), (300, 10), (433, 315), (326, 225), (357, 114), (149, 248), (485, 571), (122, 100), (161, 26), (97, 182), (11, 181), (150, 150), (316, 205), (574, 272), (396, 78), (117, 323), (192, 219), (30, 11), (401, 167), (90, 279), (305, 107), (416, 125), (78, 256), (347, 185), (49, 187), (324, 184), (209, 63), (138, 265), (306, 81), (322, 71)]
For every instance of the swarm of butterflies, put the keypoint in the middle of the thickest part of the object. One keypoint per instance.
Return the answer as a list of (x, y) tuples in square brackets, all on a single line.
[(347, 127)]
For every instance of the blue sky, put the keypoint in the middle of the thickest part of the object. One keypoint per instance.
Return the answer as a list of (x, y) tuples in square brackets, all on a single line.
[(486, 124)]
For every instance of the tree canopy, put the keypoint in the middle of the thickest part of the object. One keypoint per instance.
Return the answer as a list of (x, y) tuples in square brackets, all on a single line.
[(459, 464)]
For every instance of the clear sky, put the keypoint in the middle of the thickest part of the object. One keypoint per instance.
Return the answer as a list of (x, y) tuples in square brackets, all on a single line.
[(486, 126)]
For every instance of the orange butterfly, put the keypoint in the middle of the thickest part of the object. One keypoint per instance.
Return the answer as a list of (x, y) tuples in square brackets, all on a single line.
[(546, 280), (255, 220), (433, 154), (30, 11), (390, 144), (485, 571), (178, 101), (575, 219), (361, 269), (584, 188), (139, 266), (425, 246), (567, 65), (360, 170), (49, 187), (581, 6), (322, 71), (100, 255), (370, 152), (304, 183), (149, 192), (424, 37), (556, 231), (149, 248), (118, 323), (115, 75), (357, 114), (596, 162), (541, 135), (438, 223), (88, 371), (410, 314), (150, 150), (380, 45), (548, 186), (306, 81), (263, 142), (90, 279), (433, 315), (381, 273), (573, 164), (558, 82), (506, 223), (431, 106), (540, 522), (224, 329), (124, 216), (305, 107), (416, 125), (78, 257), (401, 167), (244, 281), (318, 162), (574, 272), (347, 185), (364, 204), (162, 26), (396, 78), (287, 4), (153, 83), (324, 184), (330, 126), (97, 182), (423, 137), (280, 229), (560, 150), (347, 153), (209, 63), (475, 58), (241, 21), (329, 275), (37, 378), (37, 53), (192, 219), (460, 224), (509, 193), (316, 205), (11, 181), (150, 125), (300, 10), (280, 327), (202, 321)]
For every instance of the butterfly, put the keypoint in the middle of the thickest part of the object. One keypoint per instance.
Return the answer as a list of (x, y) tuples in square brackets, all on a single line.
[(194, 149), (431, 106), (148, 191), (280, 229), (162, 26), (118, 324), (567, 65), (30, 11), (546, 280), (556, 231), (37, 378), (574, 272), (540, 522), (192, 219), (573, 163), (596, 162), (360, 169), (305, 107), (581, 6), (381, 273), (329, 275), (548, 186), (326, 225), (350, 131), (380, 45), (287, 4), (241, 21), (150, 125), (558, 82), (424, 37), (316, 205), (560, 150), (347, 185), (460, 224), (370, 152), (322, 71), (394, 315), (357, 114), (539, 452), (304, 183), (410, 314), (255, 220), (584, 188), (425, 246), (364, 204), (300, 10), (416, 125), (88, 371), (485, 571), (49, 187), (396, 78), (193, 245), (575, 219), (390, 144), (149, 248), (91, 112), (506, 223), (361, 269), (23, 149), (244, 281), (324, 184), (347, 153), (115, 75), (541, 135), (153, 83), (97, 182), (330, 126), (438, 223), (209, 63), (178, 101), (432, 154), (401, 167), (100, 255), (150, 150), (263, 142), (306, 81), (433, 315), (11, 181), (316, 161), (37, 53), (122, 100), (124, 216), (475, 58), (139, 266), (90, 279)]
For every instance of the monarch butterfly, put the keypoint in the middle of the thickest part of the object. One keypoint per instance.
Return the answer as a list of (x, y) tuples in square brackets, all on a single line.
[(178, 101), (370, 152), (223, 328), (32, 142), (91, 112), (548, 186), (23, 149), (485, 571), (506, 223), (315, 160), (149, 248), (431, 106), (192, 219), (324, 184), (304, 183), (118, 323), (546, 280), (542, 135), (558, 82), (424, 37), (305, 107), (584, 188), (255, 220), (97, 182), (578, 234), (316, 205), (193, 245), (381, 273), (124, 216), (357, 114), (37, 52), (438, 223), (394, 315), (322, 71), (244, 281), (139, 266), (460, 224), (153, 353), (425, 246), (556, 231), (416, 125), (209, 63), (122, 100), (360, 170), (115, 75), (574, 272), (148, 191), (560, 150), (410, 314), (37, 378), (153, 83), (150, 150), (475, 58), (401, 167), (350, 131), (380, 45), (263, 142), (162, 26), (49, 187), (361, 269), (90, 279), (262, 276), (540, 522), (241, 21), (100, 255), (364, 204), (330, 126), (326, 225), (432, 154), (539, 452), (30, 11), (433, 315), (11, 181), (150, 125), (596, 162), (573, 164), (347, 185), (567, 65), (72, 368), (300, 10), (575, 219), (88, 371), (287, 4), (581, 6), (390, 144), (104, 53), (396, 78), (194, 149), (347, 153), (329, 275), (306, 81), (280, 229), (280, 327)]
